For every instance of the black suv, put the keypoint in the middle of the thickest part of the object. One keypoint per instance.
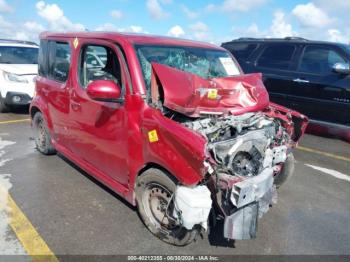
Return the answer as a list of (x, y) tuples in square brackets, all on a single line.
[(311, 77)]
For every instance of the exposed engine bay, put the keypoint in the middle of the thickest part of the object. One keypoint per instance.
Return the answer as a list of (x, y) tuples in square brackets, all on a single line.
[(243, 145), (247, 151)]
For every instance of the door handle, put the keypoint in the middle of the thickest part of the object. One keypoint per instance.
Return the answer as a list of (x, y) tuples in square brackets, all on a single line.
[(299, 80)]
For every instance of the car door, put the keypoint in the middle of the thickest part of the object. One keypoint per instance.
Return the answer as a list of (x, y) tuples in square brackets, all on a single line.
[(53, 84), (277, 62), (99, 135), (318, 91)]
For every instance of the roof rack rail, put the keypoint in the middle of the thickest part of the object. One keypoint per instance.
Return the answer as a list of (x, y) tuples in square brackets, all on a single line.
[(270, 39), (248, 38), (295, 38), (18, 42)]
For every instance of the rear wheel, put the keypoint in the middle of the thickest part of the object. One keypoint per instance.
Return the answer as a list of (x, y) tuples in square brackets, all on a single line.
[(42, 135), (3, 107), (154, 195)]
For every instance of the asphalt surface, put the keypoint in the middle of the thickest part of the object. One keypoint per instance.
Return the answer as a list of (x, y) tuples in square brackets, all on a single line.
[(74, 214)]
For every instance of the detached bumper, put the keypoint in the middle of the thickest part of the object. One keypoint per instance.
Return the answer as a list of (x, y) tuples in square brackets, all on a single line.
[(17, 98), (251, 199)]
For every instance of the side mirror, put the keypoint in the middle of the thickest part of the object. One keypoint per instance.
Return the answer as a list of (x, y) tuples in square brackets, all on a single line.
[(342, 68), (105, 91)]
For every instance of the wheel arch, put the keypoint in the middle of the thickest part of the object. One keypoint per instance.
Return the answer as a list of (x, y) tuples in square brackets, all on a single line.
[(38, 105), (151, 165), (33, 111), (133, 180)]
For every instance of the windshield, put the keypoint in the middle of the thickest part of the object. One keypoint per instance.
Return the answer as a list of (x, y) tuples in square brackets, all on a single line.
[(206, 63), (18, 55)]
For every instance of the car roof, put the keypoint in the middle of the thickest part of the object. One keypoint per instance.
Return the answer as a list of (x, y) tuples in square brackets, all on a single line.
[(133, 38), (280, 40), (19, 43)]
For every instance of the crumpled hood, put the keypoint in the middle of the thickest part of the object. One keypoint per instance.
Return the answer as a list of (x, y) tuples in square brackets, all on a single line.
[(20, 69), (193, 96)]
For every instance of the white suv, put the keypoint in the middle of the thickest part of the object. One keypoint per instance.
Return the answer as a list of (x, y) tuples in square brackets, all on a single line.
[(18, 69)]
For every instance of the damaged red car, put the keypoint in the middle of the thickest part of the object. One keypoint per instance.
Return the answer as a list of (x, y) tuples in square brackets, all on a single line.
[(173, 126)]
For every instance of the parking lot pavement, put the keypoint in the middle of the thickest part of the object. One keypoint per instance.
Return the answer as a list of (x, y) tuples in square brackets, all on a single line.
[(74, 214)]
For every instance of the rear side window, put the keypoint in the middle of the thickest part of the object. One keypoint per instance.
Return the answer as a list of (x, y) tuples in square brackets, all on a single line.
[(277, 56), (319, 60), (54, 60), (59, 61), (241, 51)]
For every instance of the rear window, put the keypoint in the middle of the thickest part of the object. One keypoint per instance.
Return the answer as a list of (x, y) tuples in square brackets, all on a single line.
[(278, 56), (18, 55), (241, 51), (54, 60)]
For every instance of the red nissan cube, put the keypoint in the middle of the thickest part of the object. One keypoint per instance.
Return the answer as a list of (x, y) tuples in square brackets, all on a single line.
[(173, 126)]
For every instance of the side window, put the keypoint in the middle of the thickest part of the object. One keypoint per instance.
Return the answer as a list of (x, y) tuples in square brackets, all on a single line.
[(62, 62), (43, 59), (277, 56), (98, 63), (241, 51), (319, 60), (59, 60)]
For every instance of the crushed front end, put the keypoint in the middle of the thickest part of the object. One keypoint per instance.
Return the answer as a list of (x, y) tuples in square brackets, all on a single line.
[(249, 144), (248, 153)]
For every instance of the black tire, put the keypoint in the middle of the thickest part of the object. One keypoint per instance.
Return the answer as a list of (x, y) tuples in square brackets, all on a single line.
[(155, 188), (3, 107), (287, 171), (42, 136)]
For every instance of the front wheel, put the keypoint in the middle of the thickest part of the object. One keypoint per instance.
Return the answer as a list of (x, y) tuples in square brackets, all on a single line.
[(154, 195), (286, 172), (42, 135)]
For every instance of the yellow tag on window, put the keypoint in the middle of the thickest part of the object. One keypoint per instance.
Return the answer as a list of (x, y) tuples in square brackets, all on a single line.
[(153, 136), (212, 93), (75, 43)]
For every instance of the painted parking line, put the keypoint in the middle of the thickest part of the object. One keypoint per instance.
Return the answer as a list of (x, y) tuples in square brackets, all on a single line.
[(30, 239), (315, 151), (330, 172), (14, 121)]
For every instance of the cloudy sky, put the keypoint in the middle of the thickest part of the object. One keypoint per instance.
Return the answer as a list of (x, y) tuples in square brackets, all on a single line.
[(208, 20)]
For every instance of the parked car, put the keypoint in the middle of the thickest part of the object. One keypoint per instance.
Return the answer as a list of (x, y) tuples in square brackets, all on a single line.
[(18, 69), (312, 77), (173, 126)]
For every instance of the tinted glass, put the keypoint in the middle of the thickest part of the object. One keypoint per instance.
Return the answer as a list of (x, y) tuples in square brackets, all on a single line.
[(98, 63), (241, 50), (18, 55), (206, 63), (59, 58), (43, 58), (319, 60), (347, 48), (278, 56)]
